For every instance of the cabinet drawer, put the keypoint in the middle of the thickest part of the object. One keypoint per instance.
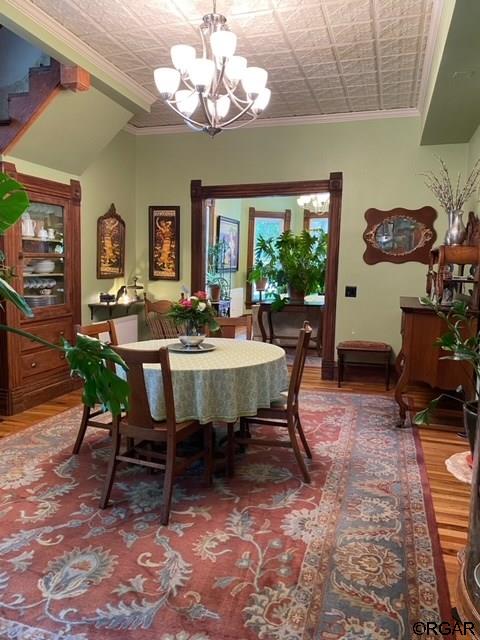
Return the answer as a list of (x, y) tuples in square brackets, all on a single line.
[(51, 331), (40, 362)]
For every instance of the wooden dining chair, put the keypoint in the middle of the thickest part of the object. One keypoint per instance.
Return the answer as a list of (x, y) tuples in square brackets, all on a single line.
[(228, 327), (98, 330), (160, 324), (138, 425), (283, 414)]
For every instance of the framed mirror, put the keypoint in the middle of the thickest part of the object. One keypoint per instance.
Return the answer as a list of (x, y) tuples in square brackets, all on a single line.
[(399, 235)]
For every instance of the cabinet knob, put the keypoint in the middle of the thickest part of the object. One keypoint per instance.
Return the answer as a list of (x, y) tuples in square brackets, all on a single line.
[(33, 365), (62, 333), (62, 356)]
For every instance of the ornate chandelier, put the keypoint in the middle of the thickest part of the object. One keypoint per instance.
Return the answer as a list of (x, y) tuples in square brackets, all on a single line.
[(215, 83), (316, 202)]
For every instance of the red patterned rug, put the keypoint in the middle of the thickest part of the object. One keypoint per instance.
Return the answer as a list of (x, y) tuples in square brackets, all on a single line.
[(262, 556)]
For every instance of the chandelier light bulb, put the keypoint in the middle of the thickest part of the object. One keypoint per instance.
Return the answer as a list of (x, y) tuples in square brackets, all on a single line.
[(261, 102), (182, 55), (254, 80), (223, 43), (235, 68), (167, 81), (201, 72), (223, 107), (187, 101)]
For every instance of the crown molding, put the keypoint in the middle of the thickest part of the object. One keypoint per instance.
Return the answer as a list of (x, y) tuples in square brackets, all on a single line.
[(435, 20), (26, 17), (354, 116)]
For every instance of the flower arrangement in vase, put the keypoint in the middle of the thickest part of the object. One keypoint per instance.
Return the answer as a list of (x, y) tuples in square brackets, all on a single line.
[(193, 314), (453, 199)]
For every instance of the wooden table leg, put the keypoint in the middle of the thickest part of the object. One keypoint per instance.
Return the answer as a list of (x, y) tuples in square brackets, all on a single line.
[(387, 371)]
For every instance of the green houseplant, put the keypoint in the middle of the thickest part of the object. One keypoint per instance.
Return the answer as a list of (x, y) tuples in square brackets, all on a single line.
[(461, 347), (296, 263), (258, 275), (217, 284), (88, 358)]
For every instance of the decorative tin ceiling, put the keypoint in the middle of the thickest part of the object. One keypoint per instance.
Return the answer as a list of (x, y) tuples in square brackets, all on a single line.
[(322, 56)]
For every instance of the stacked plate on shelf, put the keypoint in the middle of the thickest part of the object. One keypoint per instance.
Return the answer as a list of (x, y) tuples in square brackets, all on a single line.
[(41, 301)]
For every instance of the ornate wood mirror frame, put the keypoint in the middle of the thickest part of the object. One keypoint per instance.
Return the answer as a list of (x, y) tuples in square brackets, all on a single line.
[(200, 194), (399, 235)]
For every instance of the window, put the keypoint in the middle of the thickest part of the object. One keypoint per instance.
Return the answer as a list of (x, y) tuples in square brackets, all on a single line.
[(313, 222), (266, 224)]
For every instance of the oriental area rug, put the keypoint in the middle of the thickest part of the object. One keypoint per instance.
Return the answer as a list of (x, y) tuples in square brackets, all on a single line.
[(264, 556)]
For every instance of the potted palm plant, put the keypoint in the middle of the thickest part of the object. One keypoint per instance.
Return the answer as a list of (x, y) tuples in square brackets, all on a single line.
[(216, 282), (461, 347), (295, 262)]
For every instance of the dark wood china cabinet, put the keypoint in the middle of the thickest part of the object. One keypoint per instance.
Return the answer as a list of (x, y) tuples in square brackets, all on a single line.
[(44, 249)]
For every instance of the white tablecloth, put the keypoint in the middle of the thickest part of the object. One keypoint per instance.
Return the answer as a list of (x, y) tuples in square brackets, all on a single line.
[(236, 379)]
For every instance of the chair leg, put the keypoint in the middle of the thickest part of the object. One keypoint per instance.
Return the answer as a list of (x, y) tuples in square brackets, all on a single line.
[(297, 452), (107, 488), (301, 433), (230, 449), (168, 481), (81, 431), (208, 457)]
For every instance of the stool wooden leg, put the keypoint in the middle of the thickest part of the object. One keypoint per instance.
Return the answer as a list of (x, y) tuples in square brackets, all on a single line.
[(340, 370)]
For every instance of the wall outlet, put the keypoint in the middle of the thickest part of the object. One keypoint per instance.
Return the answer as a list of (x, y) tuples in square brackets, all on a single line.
[(350, 292)]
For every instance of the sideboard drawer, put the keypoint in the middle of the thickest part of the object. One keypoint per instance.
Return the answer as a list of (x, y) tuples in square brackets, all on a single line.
[(39, 362), (51, 331)]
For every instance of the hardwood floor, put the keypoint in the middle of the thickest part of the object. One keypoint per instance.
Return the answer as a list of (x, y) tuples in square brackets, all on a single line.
[(450, 497)]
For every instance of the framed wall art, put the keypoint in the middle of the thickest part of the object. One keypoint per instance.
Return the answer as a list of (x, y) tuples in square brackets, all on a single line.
[(164, 243), (228, 232), (110, 245), (399, 235)]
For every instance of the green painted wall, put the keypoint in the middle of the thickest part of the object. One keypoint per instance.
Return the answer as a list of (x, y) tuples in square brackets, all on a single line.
[(72, 131), (381, 162), (110, 178)]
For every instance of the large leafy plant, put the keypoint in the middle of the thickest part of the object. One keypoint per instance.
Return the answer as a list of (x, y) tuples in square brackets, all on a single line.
[(89, 359), (459, 345), (294, 261)]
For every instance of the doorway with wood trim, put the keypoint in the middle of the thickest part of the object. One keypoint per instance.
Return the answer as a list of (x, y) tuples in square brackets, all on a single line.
[(203, 198)]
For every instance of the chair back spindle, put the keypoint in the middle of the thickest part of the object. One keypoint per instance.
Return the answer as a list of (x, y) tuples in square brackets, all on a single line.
[(139, 412), (298, 364), (160, 324)]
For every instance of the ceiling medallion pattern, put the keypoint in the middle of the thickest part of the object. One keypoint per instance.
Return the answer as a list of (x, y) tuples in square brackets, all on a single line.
[(212, 82), (322, 56)]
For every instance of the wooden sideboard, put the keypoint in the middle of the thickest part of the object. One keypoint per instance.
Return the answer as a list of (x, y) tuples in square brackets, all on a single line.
[(420, 361), (47, 272)]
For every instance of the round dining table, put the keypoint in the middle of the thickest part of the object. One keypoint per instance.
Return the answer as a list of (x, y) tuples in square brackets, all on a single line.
[(235, 379)]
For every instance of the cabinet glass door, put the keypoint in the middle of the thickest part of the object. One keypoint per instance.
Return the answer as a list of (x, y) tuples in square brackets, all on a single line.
[(43, 271)]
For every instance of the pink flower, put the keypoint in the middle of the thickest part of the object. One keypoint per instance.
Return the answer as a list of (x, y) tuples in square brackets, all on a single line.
[(201, 295), (186, 303)]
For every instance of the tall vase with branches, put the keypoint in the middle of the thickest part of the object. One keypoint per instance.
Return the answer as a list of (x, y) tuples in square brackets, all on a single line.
[(88, 359), (453, 198)]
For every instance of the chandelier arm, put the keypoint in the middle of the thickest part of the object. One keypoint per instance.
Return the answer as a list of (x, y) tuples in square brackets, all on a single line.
[(239, 115), (221, 75), (204, 43), (183, 116), (237, 101), (188, 84), (203, 100), (242, 124)]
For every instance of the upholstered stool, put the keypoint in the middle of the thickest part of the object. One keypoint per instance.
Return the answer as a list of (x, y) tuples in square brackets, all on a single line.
[(359, 348)]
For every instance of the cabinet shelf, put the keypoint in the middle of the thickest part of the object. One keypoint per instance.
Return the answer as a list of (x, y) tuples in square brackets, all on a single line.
[(34, 239), (42, 275), (52, 256)]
